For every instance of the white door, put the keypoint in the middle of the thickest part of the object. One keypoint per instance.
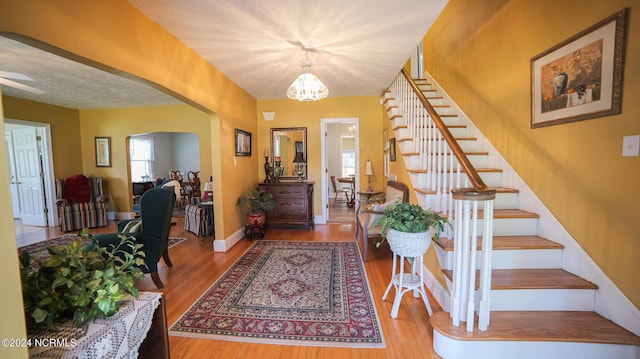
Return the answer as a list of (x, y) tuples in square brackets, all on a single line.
[(13, 180), (29, 176)]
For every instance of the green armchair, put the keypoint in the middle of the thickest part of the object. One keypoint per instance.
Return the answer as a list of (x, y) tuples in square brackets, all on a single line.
[(156, 210)]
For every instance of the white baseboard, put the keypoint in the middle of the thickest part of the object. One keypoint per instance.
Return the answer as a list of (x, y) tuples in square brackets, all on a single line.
[(223, 245)]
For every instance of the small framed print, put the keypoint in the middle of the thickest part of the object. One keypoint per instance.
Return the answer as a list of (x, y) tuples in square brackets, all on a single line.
[(103, 151), (243, 143), (392, 149)]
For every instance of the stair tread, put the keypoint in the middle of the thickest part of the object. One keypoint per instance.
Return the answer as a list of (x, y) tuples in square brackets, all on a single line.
[(508, 243), (551, 326), (546, 278)]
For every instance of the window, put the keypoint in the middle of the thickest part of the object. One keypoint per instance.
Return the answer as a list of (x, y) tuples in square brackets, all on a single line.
[(348, 156), (141, 153)]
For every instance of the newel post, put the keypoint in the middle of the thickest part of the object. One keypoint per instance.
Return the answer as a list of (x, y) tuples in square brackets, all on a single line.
[(466, 231)]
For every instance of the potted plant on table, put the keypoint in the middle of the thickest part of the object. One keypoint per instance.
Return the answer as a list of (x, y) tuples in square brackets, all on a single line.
[(79, 281), (257, 203), (409, 228)]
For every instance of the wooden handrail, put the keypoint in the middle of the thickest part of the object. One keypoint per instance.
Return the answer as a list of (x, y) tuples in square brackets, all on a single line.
[(467, 167)]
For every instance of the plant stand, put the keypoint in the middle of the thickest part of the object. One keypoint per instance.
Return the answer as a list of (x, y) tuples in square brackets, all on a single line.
[(253, 232), (403, 247)]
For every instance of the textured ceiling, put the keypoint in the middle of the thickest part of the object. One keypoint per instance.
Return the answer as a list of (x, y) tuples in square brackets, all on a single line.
[(357, 48)]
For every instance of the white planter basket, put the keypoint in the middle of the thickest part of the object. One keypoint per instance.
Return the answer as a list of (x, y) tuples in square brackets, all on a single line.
[(408, 244)]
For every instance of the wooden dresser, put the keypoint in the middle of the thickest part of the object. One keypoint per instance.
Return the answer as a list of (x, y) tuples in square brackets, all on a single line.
[(294, 204)]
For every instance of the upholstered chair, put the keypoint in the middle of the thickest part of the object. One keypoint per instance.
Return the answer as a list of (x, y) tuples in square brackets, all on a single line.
[(156, 209)]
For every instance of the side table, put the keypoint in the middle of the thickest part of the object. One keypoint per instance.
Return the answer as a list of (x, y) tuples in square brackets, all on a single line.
[(369, 194)]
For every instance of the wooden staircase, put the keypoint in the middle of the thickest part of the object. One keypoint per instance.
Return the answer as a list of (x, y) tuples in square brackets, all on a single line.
[(539, 309)]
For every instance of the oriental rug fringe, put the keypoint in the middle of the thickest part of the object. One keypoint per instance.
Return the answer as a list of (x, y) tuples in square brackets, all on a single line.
[(291, 293)]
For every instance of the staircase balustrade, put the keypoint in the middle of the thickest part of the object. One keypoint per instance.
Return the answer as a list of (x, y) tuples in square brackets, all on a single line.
[(439, 164)]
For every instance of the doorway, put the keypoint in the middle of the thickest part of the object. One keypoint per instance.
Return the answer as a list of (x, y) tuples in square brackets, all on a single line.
[(340, 158), (32, 183)]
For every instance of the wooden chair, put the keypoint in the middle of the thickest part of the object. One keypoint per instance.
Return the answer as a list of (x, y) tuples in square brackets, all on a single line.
[(368, 211), (336, 191), (194, 180)]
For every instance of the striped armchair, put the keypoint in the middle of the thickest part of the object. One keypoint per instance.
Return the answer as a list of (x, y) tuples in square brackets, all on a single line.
[(81, 203)]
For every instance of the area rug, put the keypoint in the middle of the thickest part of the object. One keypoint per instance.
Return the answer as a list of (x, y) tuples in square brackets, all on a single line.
[(38, 251), (292, 293)]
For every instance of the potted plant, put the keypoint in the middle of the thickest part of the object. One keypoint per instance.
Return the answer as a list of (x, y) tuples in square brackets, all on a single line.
[(79, 281), (408, 228), (258, 203)]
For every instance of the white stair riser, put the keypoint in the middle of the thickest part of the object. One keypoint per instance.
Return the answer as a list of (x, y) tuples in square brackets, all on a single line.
[(436, 101), (491, 179), (468, 145), (511, 226), (442, 109), (543, 299), (502, 201), (511, 259), (539, 299), (413, 161), (489, 349)]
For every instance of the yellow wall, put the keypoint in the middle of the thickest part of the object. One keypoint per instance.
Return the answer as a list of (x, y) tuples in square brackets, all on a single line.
[(119, 124), (291, 113), (65, 131), (11, 307), (115, 36), (480, 53)]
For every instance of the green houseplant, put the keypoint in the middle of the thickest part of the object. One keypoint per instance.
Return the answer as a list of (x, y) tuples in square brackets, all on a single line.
[(410, 218), (257, 202), (79, 281)]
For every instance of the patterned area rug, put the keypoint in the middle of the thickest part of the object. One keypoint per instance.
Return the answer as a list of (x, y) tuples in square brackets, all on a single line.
[(289, 292), (38, 251)]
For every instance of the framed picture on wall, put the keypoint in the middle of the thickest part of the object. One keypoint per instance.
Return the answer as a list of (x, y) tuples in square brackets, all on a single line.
[(103, 151), (243, 143), (581, 77), (392, 149)]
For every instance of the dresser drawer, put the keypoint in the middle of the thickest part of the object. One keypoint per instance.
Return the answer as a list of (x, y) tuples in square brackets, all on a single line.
[(288, 192)]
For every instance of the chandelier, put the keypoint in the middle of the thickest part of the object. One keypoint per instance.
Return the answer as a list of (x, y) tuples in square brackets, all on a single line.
[(307, 87)]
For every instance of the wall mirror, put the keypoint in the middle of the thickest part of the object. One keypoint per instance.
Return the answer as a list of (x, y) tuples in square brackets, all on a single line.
[(285, 144)]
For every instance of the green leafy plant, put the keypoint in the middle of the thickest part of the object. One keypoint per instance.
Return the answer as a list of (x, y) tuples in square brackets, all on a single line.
[(256, 200), (79, 281), (411, 218)]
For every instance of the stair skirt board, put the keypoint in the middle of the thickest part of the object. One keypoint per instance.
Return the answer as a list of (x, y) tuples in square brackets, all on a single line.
[(450, 348)]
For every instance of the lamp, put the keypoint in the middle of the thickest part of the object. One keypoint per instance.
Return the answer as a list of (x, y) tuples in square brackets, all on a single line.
[(368, 172), (307, 87), (299, 162)]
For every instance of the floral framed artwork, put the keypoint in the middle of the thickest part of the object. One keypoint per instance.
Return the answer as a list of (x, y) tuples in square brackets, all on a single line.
[(103, 151), (243, 143), (581, 77)]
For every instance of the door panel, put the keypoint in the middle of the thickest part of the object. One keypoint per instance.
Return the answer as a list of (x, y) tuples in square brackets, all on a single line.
[(29, 176), (13, 180)]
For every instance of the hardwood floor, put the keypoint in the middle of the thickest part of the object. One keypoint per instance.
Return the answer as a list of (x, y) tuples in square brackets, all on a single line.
[(196, 266)]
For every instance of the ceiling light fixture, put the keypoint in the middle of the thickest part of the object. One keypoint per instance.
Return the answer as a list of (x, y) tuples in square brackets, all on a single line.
[(307, 87)]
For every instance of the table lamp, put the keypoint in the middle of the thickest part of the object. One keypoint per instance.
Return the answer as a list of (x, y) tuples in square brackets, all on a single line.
[(368, 172)]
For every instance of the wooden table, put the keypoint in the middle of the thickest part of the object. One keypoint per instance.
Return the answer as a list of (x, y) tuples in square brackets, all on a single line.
[(351, 197)]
